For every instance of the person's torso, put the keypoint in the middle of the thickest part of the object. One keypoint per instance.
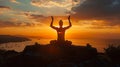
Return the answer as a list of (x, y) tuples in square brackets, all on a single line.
[(61, 31)]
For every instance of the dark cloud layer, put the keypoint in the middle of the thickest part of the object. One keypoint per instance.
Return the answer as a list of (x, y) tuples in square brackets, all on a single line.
[(6, 24), (33, 16), (107, 10), (14, 24), (5, 7), (98, 9)]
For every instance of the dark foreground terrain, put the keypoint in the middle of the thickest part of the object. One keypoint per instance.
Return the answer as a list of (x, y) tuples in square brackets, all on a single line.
[(53, 55)]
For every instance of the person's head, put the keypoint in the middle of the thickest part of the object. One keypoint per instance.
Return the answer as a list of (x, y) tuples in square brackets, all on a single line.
[(60, 23)]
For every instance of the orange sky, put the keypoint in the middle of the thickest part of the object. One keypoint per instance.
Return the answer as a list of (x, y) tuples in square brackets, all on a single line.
[(76, 31)]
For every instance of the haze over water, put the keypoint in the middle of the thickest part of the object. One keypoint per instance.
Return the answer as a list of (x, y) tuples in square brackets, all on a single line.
[(100, 44)]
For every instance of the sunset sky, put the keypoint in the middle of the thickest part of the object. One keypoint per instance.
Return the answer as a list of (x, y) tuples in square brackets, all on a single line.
[(90, 18)]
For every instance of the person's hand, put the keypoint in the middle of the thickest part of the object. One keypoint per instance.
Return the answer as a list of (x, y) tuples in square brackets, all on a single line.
[(69, 18)]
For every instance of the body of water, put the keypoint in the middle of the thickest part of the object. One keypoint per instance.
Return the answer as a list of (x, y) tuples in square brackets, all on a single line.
[(100, 44)]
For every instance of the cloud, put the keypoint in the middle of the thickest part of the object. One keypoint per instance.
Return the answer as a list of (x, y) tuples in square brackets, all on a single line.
[(52, 7), (14, 24), (45, 7), (35, 17), (14, 18), (98, 9), (107, 10), (4, 7), (98, 24), (14, 1), (7, 24), (35, 11), (54, 3)]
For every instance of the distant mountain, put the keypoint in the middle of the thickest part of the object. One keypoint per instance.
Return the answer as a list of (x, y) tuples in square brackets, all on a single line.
[(9, 38)]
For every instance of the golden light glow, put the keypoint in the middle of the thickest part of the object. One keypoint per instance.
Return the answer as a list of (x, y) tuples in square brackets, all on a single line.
[(80, 29)]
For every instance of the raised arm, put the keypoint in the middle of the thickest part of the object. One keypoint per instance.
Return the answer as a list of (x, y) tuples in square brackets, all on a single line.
[(51, 25), (69, 23)]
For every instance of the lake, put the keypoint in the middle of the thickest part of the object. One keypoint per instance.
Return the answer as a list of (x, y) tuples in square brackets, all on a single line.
[(97, 43)]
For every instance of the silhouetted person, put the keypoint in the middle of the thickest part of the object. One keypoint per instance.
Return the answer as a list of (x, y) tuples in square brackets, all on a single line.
[(60, 30)]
